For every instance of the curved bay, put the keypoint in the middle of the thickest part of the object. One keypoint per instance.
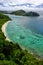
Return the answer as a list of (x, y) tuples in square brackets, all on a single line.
[(27, 32)]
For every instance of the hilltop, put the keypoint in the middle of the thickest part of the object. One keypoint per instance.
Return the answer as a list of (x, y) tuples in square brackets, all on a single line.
[(19, 12)]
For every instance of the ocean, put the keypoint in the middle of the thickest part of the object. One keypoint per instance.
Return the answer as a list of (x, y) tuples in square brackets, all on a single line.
[(27, 32)]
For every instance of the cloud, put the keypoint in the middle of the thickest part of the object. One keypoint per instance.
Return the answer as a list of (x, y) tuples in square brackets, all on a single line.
[(40, 6), (35, 2), (8, 4)]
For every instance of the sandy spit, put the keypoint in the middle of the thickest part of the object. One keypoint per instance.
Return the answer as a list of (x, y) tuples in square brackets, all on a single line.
[(3, 30)]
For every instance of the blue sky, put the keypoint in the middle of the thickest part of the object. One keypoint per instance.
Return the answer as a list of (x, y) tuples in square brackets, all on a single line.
[(19, 4)]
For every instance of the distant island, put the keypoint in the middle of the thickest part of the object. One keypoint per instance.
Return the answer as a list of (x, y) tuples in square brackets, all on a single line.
[(23, 13), (19, 12), (31, 14)]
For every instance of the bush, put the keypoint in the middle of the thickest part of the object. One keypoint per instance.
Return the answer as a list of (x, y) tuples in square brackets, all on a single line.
[(2, 56)]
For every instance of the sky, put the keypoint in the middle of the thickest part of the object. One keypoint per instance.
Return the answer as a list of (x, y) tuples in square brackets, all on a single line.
[(20, 4)]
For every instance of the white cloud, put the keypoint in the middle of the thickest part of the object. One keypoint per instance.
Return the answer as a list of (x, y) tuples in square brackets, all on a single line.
[(1, 0), (24, 1), (34, 3)]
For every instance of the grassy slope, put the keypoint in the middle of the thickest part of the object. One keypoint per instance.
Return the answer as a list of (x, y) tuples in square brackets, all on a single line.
[(12, 54)]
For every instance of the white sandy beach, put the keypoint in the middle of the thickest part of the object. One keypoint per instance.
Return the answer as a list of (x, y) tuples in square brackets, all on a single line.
[(3, 30)]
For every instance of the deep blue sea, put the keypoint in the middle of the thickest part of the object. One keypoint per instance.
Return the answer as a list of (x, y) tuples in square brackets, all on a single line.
[(27, 32)]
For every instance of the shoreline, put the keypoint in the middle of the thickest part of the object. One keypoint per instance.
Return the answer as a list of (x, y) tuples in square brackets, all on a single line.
[(7, 39), (3, 30), (32, 53)]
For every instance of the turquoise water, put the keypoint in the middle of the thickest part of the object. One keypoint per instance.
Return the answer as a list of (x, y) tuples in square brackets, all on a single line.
[(27, 32)]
